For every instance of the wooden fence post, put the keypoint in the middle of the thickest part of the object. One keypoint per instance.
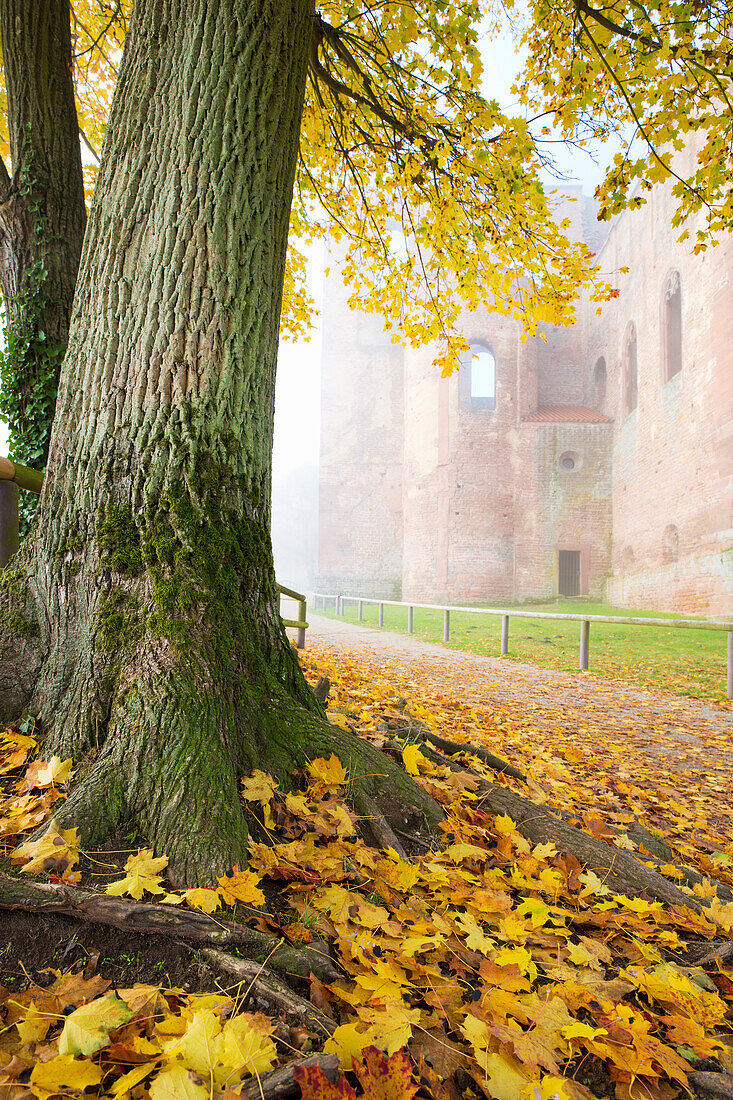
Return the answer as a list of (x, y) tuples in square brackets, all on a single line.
[(300, 637), (381, 614), (584, 644), (409, 620), (504, 635), (446, 626), (9, 536), (361, 611)]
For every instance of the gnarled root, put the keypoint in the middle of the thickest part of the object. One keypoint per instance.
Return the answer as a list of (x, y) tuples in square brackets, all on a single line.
[(163, 920), (618, 869)]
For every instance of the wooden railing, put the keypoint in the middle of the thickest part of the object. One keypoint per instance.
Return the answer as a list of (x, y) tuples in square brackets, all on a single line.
[(300, 623), (505, 614), (13, 476)]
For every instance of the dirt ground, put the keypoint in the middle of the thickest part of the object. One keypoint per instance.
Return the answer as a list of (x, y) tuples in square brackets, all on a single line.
[(32, 947)]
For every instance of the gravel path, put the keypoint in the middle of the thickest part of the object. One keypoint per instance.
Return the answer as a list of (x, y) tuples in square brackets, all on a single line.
[(665, 725)]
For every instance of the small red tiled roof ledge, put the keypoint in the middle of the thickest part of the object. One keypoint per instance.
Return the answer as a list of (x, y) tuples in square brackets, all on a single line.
[(566, 414)]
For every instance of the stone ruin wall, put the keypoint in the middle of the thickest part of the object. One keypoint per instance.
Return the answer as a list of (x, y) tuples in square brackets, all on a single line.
[(672, 488), (424, 497)]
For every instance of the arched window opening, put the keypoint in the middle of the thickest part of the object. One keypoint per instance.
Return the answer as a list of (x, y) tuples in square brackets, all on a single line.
[(672, 308), (628, 559), (631, 371), (599, 384), (481, 365), (670, 544)]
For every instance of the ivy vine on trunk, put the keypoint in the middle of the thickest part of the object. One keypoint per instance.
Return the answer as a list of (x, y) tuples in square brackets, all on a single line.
[(42, 220)]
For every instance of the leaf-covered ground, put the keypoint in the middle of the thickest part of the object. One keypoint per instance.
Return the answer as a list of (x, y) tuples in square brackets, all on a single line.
[(481, 965), (687, 662)]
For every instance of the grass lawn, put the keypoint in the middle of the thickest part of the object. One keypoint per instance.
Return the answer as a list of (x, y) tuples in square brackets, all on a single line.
[(688, 662)]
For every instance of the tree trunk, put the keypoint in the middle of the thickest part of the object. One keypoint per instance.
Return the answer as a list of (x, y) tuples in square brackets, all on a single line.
[(149, 571), (42, 217)]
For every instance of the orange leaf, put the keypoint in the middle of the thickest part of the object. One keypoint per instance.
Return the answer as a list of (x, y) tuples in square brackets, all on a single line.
[(385, 1078), (314, 1085)]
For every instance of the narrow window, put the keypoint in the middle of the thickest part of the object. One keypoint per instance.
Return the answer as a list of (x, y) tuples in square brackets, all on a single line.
[(631, 371), (481, 366), (599, 384), (672, 307), (670, 544)]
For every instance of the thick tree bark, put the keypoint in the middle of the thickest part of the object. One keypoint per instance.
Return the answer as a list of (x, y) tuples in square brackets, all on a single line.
[(42, 215), (163, 661)]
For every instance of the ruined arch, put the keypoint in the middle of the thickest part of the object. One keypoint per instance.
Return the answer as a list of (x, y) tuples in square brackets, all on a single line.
[(670, 544), (479, 365), (672, 326), (631, 370), (600, 378)]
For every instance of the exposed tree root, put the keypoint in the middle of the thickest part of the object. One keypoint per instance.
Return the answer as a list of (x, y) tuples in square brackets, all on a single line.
[(321, 688), (377, 823), (163, 920), (721, 953), (450, 748), (711, 1086), (267, 990), (281, 1082), (618, 869)]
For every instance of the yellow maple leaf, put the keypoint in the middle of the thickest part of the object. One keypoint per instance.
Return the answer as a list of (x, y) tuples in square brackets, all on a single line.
[(505, 825), (241, 886), (721, 914), (348, 1042), (142, 875), (339, 720), (57, 851), (61, 1074), (476, 938), (86, 1029), (390, 1024), (414, 761), (582, 1031), (123, 1085), (47, 773), (202, 898), (244, 1048), (260, 787), (549, 1087), (517, 956), (178, 1083), (34, 1027), (328, 772)]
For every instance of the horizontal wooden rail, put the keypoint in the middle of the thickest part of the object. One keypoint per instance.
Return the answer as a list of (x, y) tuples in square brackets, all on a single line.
[(506, 613), (23, 476), (300, 624)]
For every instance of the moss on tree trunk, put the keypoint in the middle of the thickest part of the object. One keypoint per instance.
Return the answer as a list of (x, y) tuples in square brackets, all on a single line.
[(160, 652)]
